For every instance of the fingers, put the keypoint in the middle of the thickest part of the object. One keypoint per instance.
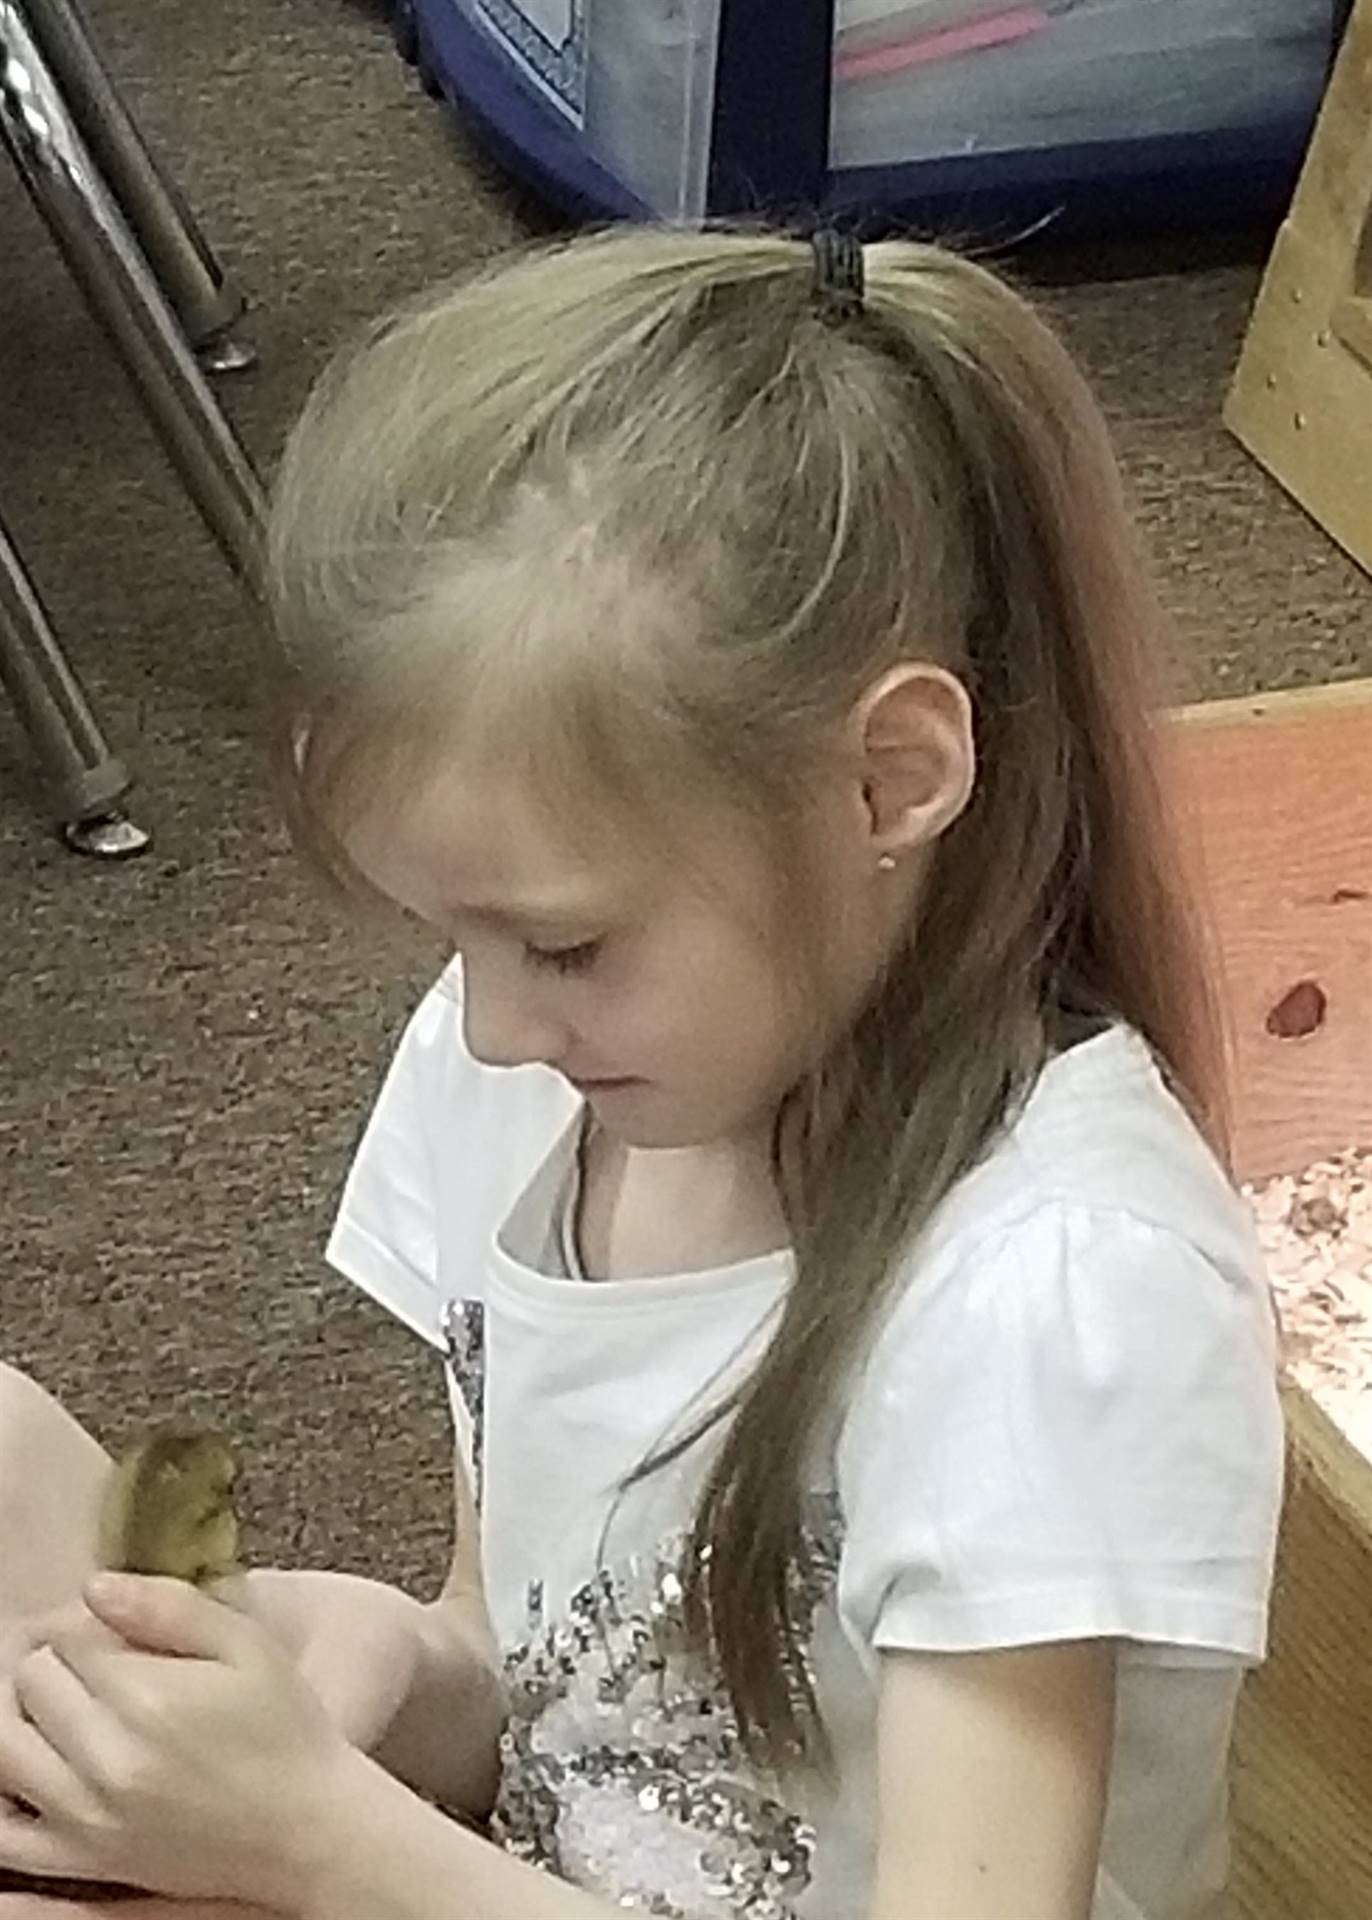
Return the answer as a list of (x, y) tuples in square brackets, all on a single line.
[(31, 1847), (73, 1619), (25, 1752), (20, 1637), (169, 1616), (78, 1619), (66, 1735), (33, 1773)]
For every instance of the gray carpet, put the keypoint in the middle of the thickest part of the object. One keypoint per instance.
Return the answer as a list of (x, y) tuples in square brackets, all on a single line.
[(190, 1043)]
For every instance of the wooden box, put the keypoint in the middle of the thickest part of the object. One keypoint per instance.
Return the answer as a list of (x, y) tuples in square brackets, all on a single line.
[(1279, 793), (1302, 397)]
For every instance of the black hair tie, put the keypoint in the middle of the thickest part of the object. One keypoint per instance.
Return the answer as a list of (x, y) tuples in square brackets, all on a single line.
[(839, 279)]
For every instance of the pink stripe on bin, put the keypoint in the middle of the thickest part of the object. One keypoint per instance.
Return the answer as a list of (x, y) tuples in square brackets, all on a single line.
[(1001, 29)]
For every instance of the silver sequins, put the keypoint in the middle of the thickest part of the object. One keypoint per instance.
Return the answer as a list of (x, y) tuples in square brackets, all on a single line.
[(623, 1769), (463, 1327)]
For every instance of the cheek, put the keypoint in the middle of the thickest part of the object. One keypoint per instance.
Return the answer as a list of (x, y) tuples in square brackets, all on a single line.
[(703, 998), (659, 1021), (734, 1017)]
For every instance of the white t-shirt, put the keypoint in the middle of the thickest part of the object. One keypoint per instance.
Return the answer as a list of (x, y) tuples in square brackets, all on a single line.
[(1068, 1427)]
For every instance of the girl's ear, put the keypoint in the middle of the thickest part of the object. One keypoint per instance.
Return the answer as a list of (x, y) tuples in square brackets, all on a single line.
[(915, 734)]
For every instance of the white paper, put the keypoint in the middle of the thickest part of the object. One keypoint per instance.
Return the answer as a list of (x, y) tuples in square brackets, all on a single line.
[(553, 18), (541, 35)]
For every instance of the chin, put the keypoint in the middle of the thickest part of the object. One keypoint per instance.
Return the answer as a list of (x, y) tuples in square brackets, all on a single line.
[(644, 1135), (653, 1125)]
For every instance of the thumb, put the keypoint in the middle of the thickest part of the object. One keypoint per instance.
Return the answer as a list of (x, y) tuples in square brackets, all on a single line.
[(162, 1615)]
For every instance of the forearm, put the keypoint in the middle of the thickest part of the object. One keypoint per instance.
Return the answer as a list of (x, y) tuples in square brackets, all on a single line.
[(436, 1722), (444, 1739), (387, 1856)]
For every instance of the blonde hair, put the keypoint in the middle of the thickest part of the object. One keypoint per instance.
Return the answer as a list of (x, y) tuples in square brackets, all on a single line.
[(491, 523)]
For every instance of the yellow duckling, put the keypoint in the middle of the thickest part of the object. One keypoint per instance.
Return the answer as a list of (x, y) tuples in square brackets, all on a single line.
[(169, 1507)]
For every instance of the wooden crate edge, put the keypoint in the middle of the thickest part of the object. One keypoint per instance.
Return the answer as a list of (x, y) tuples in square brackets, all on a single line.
[(1293, 703)]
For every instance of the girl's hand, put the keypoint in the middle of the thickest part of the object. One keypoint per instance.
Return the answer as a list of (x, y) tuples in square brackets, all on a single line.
[(355, 1641), (207, 1774)]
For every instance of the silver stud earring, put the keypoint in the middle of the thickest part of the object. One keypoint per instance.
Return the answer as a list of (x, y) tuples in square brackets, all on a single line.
[(887, 862)]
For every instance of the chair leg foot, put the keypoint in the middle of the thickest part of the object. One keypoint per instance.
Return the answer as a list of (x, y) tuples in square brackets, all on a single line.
[(107, 836), (226, 353)]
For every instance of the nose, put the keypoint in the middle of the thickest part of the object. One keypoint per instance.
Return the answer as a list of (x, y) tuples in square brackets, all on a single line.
[(501, 1022)]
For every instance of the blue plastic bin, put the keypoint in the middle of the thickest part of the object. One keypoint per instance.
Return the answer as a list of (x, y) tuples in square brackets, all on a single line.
[(980, 116)]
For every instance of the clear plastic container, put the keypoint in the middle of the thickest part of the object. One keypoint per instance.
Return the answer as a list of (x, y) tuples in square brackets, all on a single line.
[(636, 76), (935, 79)]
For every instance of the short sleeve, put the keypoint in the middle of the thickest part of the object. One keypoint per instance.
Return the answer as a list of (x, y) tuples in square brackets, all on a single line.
[(447, 1147), (1072, 1433), (385, 1236)]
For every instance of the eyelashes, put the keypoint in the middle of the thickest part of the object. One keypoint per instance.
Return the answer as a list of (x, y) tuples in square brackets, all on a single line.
[(566, 960)]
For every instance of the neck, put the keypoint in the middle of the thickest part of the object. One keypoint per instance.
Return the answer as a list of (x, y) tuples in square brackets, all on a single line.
[(664, 1210)]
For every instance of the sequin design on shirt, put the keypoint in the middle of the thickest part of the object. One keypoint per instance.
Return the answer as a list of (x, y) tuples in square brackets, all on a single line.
[(463, 1327), (622, 1769)]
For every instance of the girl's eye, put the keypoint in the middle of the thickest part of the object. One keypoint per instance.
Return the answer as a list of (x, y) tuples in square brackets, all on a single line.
[(566, 959)]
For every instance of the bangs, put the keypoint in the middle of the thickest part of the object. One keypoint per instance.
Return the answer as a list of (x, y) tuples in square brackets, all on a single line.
[(553, 674)]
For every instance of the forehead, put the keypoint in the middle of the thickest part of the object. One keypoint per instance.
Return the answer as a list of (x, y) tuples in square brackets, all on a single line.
[(485, 841), (479, 839)]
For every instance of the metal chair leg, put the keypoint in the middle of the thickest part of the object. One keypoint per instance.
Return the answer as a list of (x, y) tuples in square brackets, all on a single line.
[(107, 264), (88, 782), (122, 291), (162, 222)]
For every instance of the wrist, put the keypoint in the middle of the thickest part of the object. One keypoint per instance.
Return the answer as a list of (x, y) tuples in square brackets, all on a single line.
[(367, 1858), (332, 1834)]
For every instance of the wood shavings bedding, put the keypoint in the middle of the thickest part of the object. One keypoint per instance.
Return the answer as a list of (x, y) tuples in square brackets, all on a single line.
[(1316, 1231)]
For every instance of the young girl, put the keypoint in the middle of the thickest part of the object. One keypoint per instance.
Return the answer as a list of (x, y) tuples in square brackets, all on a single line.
[(812, 1164)]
